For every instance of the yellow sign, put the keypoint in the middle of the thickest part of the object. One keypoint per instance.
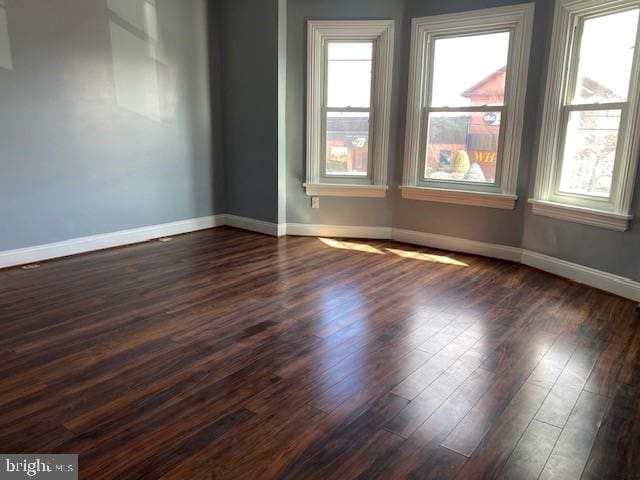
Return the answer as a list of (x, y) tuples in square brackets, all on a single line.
[(485, 157)]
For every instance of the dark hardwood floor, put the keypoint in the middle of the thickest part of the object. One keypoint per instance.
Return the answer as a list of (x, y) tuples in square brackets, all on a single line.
[(227, 354)]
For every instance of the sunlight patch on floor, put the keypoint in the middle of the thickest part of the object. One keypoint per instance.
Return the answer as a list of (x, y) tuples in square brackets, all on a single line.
[(358, 247), (409, 254), (426, 257)]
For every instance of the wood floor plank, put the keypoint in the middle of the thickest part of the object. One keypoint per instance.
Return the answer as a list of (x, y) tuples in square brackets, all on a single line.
[(573, 447), (605, 376), (326, 455), (558, 405), (554, 362), (417, 452), (391, 367), (496, 446), (531, 454), (619, 433), (468, 434), (424, 405), (446, 356)]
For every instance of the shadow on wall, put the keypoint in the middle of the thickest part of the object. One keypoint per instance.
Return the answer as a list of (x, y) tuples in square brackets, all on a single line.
[(6, 60), (144, 83)]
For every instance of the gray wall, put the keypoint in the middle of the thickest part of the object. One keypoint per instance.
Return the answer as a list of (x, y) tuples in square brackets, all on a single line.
[(476, 223), (250, 106), (105, 121), (606, 250), (334, 211)]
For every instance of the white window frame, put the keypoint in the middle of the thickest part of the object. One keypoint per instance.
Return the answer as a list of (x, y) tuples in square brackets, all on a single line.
[(518, 19), (319, 34), (612, 213)]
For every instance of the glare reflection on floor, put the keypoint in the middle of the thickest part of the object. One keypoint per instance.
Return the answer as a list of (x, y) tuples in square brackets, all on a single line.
[(410, 254)]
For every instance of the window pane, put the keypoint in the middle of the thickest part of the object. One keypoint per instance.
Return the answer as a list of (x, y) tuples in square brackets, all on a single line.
[(349, 74), (470, 70), (463, 146), (589, 153), (347, 143), (606, 56)]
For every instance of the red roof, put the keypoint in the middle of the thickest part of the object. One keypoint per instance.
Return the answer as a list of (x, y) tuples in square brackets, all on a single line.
[(490, 85), (493, 85)]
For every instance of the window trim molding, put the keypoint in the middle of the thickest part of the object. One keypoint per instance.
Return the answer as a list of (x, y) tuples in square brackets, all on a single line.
[(318, 33), (616, 212), (518, 18), (576, 214), (340, 190), (460, 197)]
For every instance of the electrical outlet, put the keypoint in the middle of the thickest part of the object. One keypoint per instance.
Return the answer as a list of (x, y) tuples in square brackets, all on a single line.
[(315, 202)]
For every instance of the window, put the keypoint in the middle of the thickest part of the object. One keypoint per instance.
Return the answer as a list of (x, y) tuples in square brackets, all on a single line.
[(463, 111), (348, 108), (465, 108), (589, 138), (348, 103)]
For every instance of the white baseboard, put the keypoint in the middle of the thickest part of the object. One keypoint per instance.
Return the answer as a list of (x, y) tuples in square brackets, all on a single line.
[(74, 246), (305, 230), (458, 244), (608, 282), (38, 253), (253, 225), (406, 236)]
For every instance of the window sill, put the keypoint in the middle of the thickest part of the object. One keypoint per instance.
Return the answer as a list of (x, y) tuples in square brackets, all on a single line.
[(586, 216), (458, 197), (338, 190)]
